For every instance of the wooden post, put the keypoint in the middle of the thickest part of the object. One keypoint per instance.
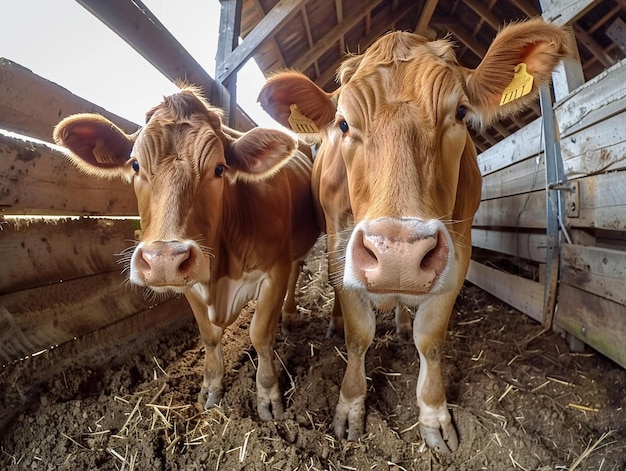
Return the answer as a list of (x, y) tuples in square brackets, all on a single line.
[(230, 27)]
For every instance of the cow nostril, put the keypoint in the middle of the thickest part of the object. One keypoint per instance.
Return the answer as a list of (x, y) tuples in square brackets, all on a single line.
[(437, 257), (186, 264), (365, 253)]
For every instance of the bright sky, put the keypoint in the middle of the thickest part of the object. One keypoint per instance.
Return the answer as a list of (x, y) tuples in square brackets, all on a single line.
[(62, 42)]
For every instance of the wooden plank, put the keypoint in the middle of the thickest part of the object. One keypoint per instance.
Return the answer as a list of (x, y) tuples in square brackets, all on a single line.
[(523, 294), (32, 105), (601, 202), (37, 252), (563, 12), (107, 346), (520, 178), (37, 179), (529, 246), (275, 19), (516, 147), (597, 321), (597, 99), (521, 211), (596, 149), (35, 319), (595, 270)]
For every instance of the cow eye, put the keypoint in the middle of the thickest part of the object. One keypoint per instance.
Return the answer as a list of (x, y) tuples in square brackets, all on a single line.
[(219, 170), (461, 111), (135, 166), (343, 125)]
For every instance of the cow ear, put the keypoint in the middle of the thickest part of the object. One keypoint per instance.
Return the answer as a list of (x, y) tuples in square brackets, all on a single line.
[(520, 60), (259, 153), (96, 145), (297, 103)]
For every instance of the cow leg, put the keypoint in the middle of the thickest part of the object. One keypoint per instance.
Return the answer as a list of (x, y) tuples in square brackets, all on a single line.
[(263, 336), (211, 335), (403, 323), (290, 309), (429, 330), (360, 325), (335, 327)]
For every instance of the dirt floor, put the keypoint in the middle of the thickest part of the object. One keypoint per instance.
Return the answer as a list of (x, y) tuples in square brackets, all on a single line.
[(520, 400)]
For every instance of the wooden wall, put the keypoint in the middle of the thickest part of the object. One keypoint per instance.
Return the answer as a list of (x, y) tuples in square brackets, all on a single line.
[(511, 222), (63, 298)]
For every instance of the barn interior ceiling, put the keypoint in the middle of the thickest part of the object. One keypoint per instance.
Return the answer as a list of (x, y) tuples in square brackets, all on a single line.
[(316, 38), (313, 36)]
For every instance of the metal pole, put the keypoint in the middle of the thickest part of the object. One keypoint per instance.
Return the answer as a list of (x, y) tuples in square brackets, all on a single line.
[(555, 208)]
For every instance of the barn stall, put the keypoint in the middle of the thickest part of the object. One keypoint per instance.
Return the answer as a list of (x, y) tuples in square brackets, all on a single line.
[(97, 375)]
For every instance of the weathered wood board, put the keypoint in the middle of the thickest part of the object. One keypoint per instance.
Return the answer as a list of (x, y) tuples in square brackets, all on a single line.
[(596, 270), (37, 179), (521, 293), (601, 202), (522, 244), (597, 321), (32, 105), (41, 251), (520, 211), (35, 319)]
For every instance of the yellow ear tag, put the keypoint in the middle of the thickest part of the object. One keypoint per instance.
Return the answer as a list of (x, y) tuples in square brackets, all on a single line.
[(100, 154), (521, 85), (300, 123)]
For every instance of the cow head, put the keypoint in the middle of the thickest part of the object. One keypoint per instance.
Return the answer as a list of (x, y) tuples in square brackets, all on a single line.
[(182, 164), (397, 166)]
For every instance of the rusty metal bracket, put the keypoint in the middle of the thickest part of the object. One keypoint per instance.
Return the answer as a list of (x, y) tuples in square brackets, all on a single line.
[(572, 196)]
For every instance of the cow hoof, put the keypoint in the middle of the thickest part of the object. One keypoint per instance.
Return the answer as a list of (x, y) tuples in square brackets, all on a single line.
[(334, 332), (270, 410), (343, 424), (287, 323), (404, 335), (445, 444), (212, 399)]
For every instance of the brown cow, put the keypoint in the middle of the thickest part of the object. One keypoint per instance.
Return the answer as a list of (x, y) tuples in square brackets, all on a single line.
[(397, 180), (224, 219)]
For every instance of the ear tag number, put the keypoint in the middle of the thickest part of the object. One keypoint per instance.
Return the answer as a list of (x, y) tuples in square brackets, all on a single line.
[(521, 85), (100, 154), (300, 123)]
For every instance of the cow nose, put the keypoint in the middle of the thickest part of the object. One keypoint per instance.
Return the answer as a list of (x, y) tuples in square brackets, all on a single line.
[(400, 255), (164, 263)]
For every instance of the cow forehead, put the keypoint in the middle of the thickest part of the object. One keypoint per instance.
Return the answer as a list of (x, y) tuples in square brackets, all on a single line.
[(418, 74), (163, 141)]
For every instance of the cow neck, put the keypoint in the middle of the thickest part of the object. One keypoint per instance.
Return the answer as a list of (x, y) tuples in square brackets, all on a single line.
[(238, 234)]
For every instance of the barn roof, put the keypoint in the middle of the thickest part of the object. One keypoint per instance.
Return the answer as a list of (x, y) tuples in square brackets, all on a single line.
[(314, 35)]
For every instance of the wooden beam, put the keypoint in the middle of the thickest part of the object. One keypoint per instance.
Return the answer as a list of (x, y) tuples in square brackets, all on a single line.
[(463, 34), (334, 34), (142, 30), (23, 111), (425, 16), (485, 13), (380, 28), (282, 12), (527, 8), (230, 28), (309, 38), (593, 47)]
